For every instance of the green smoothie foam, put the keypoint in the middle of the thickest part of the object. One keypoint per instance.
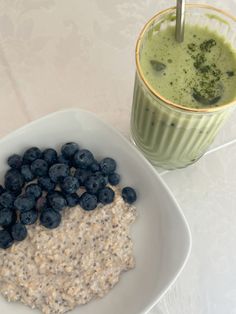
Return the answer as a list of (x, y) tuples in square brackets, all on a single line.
[(198, 73)]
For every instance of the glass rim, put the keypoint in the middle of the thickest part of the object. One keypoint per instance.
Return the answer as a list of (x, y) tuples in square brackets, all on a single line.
[(140, 72)]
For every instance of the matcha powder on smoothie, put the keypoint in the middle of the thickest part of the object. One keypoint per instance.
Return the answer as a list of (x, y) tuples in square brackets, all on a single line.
[(198, 73)]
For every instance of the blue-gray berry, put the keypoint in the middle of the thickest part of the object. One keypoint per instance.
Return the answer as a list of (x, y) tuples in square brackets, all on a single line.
[(18, 231), (107, 165), (6, 239), (88, 201), (83, 159), (39, 167), (29, 217), (106, 195), (50, 218), (129, 195)]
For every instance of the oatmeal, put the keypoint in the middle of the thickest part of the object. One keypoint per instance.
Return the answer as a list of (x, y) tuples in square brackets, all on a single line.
[(56, 270)]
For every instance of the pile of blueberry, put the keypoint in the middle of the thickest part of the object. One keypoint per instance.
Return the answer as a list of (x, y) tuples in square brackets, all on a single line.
[(59, 180)]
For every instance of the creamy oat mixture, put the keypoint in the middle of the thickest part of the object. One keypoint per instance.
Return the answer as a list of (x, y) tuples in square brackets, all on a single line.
[(55, 270)]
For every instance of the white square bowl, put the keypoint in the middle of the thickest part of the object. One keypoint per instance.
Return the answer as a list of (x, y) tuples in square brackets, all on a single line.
[(161, 235)]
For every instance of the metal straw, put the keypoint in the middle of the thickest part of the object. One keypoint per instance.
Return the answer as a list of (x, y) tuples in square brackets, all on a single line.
[(180, 20)]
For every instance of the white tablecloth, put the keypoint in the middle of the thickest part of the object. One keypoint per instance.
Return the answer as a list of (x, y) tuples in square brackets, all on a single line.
[(57, 54)]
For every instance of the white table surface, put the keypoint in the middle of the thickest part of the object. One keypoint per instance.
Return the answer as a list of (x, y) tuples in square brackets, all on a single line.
[(57, 54)]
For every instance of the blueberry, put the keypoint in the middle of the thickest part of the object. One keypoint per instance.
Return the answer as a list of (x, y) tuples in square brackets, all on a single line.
[(69, 149), (14, 161), (24, 203), (7, 199), (72, 199), (114, 178), (31, 154), (39, 167), (106, 195), (63, 160), (103, 179), (129, 195), (46, 184), (14, 181), (2, 190), (7, 217), (83, 159), (29, 217), (94, 166), (50, 218), (50, 156), (5, 239), (108, 165), (56, 200), (82, 175), (27, 173), (69, 184), (58, 172), (41, 203), (33, 190), (18, 232), (88, 201), (92, 184)]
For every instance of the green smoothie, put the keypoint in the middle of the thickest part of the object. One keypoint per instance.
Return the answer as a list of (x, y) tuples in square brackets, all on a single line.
[(198, 73)]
